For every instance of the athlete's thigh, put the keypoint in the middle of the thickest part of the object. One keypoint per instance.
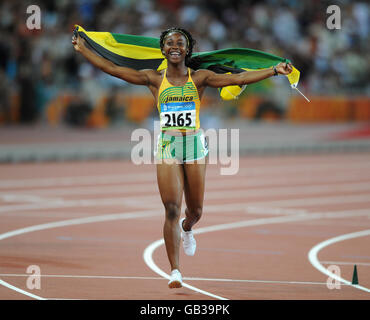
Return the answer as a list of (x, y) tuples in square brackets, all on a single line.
[(170, 178), (194, 184)]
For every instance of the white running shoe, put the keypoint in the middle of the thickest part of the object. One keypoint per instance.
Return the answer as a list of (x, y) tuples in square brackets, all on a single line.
[(188, 240), (175, 279)]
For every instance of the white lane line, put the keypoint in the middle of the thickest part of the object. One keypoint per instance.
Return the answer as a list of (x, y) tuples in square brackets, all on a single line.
[(244, 188), (71, 222), (345, 263), (279, 170), (148, 258), (64, 223), (256, 281), (80, 276), (145, 200), (21, 197), (76, 203), (290, 191), (304, 202), (65, 299), (31, 295), (127, 201), (76, 180), (150, 249), (148, 252), (312, 255), (11, 275), (301, 180), (74, 222)]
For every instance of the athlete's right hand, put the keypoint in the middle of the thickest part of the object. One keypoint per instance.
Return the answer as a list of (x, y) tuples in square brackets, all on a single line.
[(78, 43)]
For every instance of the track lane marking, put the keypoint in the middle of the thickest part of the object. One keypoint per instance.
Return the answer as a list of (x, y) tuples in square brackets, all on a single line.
[(345, 263), (10, 275), (279, 170), (150, 249), (148, 252), (145, 200), (312, 256), (243, 188)]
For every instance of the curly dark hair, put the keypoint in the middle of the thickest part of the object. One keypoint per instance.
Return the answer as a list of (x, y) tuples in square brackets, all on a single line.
[(186, 34)]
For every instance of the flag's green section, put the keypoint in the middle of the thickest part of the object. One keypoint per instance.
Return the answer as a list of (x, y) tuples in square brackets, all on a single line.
[(238, 58), (141, 52)]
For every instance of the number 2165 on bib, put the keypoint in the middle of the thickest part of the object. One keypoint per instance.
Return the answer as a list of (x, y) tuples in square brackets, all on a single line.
[(178, 114)]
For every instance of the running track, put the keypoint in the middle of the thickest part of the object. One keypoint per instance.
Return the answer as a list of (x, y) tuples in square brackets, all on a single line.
[(95, 230)]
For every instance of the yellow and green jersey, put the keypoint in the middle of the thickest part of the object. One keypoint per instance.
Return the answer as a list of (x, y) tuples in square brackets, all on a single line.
[(178, 106)]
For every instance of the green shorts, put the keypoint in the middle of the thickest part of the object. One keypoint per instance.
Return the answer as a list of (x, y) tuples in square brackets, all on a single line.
[(181, 148)]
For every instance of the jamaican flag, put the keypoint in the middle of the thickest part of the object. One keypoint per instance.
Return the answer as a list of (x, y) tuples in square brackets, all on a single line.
[(139, 52)]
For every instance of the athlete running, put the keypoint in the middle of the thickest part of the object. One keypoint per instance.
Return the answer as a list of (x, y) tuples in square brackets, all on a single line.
[(181, 150)]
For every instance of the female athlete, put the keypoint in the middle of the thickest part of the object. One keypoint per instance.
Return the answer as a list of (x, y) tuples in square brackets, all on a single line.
[(181, 150)]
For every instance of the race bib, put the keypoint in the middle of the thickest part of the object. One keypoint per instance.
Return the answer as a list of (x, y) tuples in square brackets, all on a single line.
[(179, 115)]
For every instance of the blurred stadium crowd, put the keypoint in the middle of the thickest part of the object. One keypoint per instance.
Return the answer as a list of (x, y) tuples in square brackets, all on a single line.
[(39, 64)]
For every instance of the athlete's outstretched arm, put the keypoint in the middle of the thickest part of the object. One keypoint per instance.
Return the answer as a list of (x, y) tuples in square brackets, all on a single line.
[(127, 74), (217, 80)]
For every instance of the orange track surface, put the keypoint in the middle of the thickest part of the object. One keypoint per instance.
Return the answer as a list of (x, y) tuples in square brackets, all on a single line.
[(280, 202)]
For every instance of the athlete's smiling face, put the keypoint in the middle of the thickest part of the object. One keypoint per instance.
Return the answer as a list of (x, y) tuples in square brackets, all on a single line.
[(175, 47)]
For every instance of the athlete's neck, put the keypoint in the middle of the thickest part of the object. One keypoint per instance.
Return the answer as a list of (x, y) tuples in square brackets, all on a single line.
[(177, 70)]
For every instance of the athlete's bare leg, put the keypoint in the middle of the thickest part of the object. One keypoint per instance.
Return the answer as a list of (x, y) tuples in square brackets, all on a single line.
[(194, 183), (170, 179)]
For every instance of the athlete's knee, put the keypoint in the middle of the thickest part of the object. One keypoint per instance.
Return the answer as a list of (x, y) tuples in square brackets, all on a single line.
[(195, 213), (173, 211)]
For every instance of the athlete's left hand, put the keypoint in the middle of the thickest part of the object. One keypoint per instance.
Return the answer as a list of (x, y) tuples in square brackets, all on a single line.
[(284, 68)]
